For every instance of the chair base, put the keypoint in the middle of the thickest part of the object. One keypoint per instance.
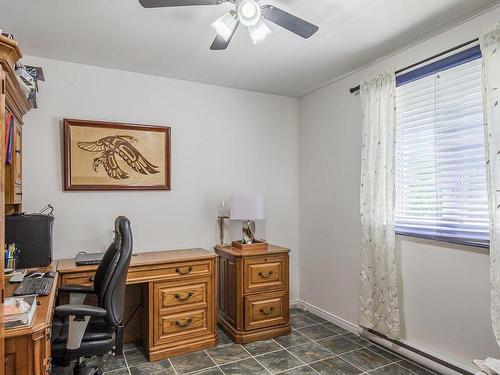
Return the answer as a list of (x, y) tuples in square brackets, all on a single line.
[(83, 368)]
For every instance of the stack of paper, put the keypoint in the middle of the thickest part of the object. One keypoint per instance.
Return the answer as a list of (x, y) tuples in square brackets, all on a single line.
[(19, 311)]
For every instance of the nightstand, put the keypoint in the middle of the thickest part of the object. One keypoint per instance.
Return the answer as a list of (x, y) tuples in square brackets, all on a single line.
[(253, 293)]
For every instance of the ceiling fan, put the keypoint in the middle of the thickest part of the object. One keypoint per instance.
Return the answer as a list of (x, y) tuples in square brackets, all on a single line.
[(247, 12)]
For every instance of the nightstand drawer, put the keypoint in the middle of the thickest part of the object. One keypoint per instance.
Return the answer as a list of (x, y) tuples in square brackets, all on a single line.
[(177, 326), (265, 273), (266, 310), (176, 296)]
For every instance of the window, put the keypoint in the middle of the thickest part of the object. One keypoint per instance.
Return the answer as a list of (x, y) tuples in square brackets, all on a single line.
[(440, 152)]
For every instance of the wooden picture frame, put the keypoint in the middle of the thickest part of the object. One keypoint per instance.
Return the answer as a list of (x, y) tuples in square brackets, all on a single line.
[(102, 155)]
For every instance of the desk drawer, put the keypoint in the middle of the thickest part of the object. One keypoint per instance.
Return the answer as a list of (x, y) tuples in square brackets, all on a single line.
[(80, 278), (173, 271), (266, 310), (181, 296), (181, 325), (265, 273)]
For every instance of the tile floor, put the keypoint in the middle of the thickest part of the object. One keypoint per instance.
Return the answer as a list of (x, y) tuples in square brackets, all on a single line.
[(315, 346)]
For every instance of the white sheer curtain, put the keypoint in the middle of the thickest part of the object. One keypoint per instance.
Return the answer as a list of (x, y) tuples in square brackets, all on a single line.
[(379, 307), (490, 48)]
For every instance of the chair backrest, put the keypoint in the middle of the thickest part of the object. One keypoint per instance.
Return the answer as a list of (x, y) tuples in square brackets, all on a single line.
[(112, 281), (108, 256)]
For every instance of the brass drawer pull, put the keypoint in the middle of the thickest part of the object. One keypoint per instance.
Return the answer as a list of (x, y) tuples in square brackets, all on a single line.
[(185, 298), (184, 324), (178, 270), (266, 311), (266, 275)]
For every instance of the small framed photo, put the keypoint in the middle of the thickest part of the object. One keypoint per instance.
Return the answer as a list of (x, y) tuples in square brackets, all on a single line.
[(115, 156)]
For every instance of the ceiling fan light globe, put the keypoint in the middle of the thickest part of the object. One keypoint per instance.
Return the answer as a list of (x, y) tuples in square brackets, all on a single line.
[(249, 12), (259, 32), (224, 26)]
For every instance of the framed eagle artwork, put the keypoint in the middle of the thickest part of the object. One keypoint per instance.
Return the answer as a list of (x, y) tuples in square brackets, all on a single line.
[(115, 156)]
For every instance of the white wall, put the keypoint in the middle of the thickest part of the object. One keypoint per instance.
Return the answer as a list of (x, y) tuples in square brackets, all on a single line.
[(223, 141), (445, 288)]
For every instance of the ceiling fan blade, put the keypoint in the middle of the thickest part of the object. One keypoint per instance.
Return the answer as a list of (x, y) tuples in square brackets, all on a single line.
[(220, 43), (288, 21), (177, 3)]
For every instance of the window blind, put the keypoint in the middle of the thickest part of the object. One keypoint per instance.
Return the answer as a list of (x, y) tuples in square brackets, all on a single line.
[(440, 156)]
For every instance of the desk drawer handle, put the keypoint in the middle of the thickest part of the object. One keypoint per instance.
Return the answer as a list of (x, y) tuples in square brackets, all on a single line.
[(181, 298), (266, 275), (91, 278), (178, 270), (184, 324), (266, 311)]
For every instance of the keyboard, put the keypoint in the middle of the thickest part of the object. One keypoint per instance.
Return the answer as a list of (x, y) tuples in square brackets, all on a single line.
[(34, 285)]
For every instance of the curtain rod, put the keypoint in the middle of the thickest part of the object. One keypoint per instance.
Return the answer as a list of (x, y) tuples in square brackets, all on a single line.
[(356, 89)]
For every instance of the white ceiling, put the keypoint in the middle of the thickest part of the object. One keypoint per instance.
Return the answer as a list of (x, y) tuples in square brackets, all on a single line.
[(174, 42)]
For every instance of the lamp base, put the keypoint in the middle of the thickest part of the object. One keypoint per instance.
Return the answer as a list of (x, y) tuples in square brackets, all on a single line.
[(256, 245), (248, 231)]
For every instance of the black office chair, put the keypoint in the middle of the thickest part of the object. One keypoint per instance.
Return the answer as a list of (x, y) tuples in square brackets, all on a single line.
[(80, 331)]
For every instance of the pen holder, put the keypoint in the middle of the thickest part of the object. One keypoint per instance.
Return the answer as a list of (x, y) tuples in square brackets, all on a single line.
[(11, 263)]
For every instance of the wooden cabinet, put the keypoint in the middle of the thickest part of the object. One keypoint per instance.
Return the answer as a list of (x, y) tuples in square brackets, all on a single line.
[(17, 105), (12, 100), (2, 210), (182, 310), (253, 293), (27, 349), (29, 354)]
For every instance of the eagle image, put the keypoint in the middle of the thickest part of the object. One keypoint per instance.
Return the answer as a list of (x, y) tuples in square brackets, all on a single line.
[(118, 145)]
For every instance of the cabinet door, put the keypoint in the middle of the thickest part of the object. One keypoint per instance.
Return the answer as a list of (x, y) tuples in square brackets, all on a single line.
[(18, 165), (227, 289), (2, 212), (13, 171)]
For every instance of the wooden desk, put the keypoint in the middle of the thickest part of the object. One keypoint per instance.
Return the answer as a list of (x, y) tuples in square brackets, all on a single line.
[(171, 299), (27, 349)]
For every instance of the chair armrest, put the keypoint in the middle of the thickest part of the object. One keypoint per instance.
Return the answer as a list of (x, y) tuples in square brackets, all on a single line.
[(79, 317), (80, 311), (76, 289)]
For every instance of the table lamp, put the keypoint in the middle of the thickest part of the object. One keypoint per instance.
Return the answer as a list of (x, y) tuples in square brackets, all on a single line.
[(247, 208)]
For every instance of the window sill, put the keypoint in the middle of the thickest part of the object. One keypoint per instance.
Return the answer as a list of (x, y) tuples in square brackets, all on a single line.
[(454, 241)]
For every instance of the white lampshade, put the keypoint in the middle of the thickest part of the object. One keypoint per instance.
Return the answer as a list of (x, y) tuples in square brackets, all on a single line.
[(225, 25), (259, 32), (247, 207)]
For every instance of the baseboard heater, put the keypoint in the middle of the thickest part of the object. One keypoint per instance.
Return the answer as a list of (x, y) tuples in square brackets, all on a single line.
[(433, 361)]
